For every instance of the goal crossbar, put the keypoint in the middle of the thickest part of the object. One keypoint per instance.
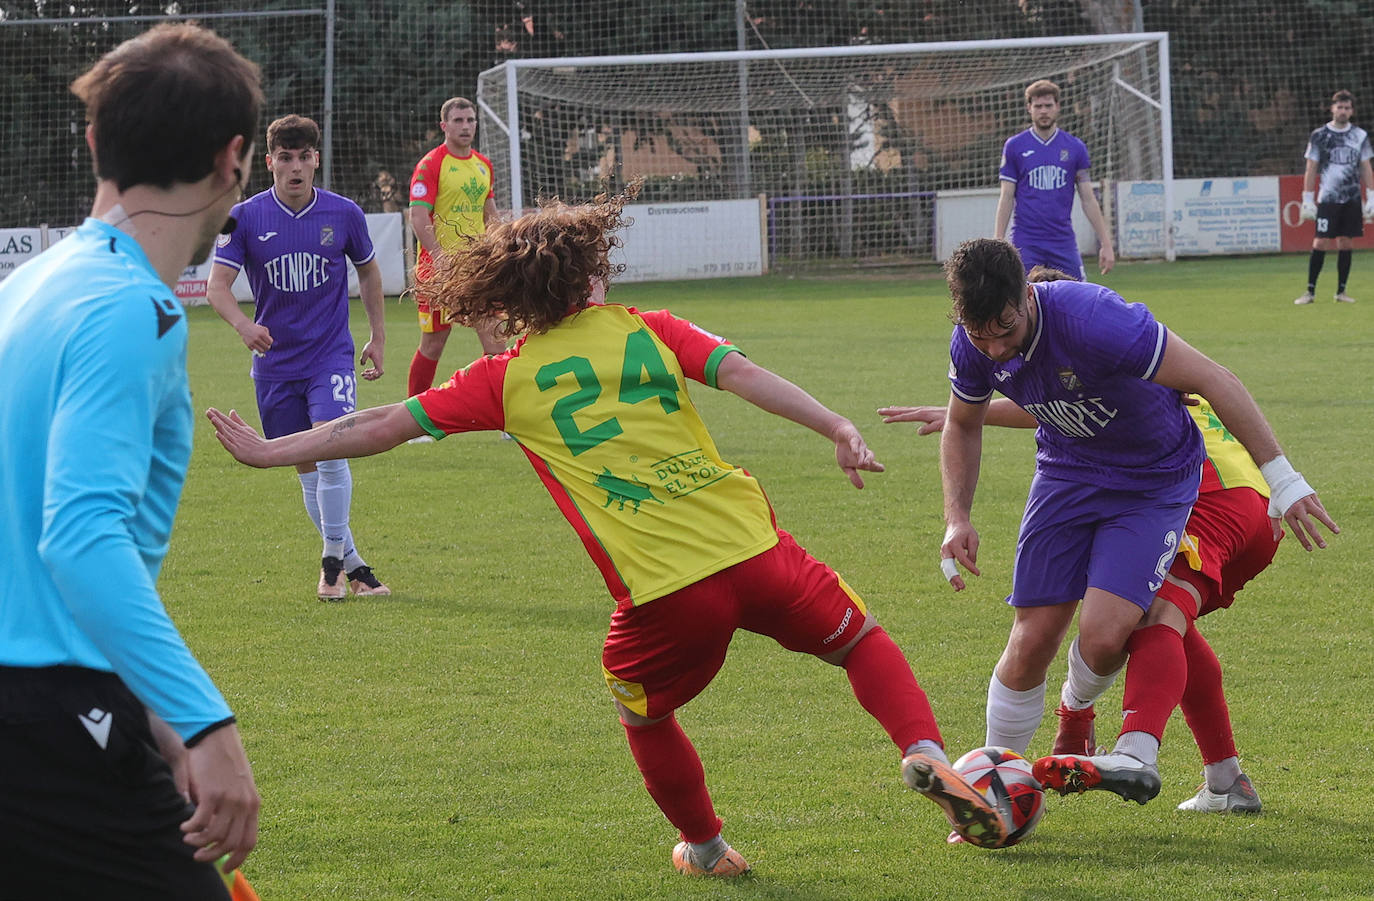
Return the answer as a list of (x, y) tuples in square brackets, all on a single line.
[(597, 90)]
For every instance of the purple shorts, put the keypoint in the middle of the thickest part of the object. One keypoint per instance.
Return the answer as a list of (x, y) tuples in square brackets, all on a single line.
[(1075, 536), (1065, 258), (295, 405)]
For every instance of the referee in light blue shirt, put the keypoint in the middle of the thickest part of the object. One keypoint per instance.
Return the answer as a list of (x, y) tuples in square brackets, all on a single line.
[(122, 774)]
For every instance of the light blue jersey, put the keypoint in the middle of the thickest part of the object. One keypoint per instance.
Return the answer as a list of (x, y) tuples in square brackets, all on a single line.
[(96, 418)]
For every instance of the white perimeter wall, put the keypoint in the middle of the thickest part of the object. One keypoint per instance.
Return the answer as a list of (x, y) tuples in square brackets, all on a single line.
[(711, 239), (718, 238), (387, 231), (961, 215)]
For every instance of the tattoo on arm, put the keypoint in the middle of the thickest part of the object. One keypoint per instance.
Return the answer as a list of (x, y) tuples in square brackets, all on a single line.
[(340, 428)]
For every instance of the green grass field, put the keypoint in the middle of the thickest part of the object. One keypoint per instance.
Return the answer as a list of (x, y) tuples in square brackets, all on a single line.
[(456, 740)]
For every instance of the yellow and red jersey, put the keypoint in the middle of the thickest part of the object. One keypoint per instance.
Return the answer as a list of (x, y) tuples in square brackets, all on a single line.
[(1228, 463), (455, 190), (1228, 538), (599, 404)]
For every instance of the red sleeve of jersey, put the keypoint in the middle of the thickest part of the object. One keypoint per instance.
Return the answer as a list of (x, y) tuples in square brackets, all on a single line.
[(424, 182), (693, 346), (491, 169), (471, 400)]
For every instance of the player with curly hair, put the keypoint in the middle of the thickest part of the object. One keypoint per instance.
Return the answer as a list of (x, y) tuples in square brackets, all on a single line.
[(686, 542)]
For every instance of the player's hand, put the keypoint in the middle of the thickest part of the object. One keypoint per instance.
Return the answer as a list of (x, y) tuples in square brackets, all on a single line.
[(960, 545), (1299, 517), (255, 337), (931, 419), (1106, 259), (1307, 211), (372, 352), (853, 454), (1369, 207), (239, 438), (227, 801)]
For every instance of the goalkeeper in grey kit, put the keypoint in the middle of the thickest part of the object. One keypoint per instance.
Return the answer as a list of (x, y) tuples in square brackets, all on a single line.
[(1337, 165)]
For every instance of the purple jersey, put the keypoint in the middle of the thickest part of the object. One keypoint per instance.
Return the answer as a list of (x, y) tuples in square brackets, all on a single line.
[(1046, 175), (294, 262), (1086, 378)]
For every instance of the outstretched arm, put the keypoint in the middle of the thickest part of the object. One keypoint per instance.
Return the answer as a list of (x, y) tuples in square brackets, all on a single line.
[(1186, 369), (769, 391), (360, 434), (1002, 411)]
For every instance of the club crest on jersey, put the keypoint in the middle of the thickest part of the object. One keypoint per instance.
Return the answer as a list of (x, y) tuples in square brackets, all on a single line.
[(1069, 380), (475, 190), (1063, 156), (222, 240), (418, 189), (327, 236)]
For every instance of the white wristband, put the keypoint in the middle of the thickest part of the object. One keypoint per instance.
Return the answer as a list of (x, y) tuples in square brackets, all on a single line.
[(949, 568), (1309, 197), (1286, 485)]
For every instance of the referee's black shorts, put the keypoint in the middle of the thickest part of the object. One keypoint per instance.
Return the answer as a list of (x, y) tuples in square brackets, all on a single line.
[(1340, 220), (88, 808)]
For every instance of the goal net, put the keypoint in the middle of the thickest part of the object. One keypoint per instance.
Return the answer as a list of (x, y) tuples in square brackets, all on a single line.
[(45, 170), (859, 154)]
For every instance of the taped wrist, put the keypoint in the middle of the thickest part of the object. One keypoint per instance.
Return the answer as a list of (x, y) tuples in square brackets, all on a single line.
[(1286, 485)]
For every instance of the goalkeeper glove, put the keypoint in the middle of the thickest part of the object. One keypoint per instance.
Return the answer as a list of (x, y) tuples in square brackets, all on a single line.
[(1369, 206), (1308, 210)]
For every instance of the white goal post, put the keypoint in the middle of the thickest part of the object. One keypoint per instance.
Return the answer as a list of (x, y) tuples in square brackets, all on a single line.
[(848, 148)]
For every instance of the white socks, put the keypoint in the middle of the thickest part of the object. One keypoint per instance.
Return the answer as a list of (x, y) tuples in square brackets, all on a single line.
[(310, 490), (1222, 774), (930, 748), (1141, 745), (333, 497), (706, 854), (1082, 686), (1013, 716)]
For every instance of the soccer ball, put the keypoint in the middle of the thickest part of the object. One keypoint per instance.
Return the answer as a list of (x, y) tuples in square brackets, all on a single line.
[(1004, 778)]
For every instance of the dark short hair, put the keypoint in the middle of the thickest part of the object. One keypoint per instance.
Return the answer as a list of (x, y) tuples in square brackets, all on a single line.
[(985, 276), (293, 133), (453, 103), (1343, 96), (164, 103)]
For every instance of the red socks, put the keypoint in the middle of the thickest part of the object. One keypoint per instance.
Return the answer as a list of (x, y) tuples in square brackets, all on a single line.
[(674, 777), (422, 370), (1204, 702), (1155, 678), (886, 687)]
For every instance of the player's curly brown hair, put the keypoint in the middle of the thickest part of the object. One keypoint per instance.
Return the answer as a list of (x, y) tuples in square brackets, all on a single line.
[(532, 271)]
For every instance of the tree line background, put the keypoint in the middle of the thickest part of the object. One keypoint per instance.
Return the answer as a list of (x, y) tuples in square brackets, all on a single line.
[(1249, 81)]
